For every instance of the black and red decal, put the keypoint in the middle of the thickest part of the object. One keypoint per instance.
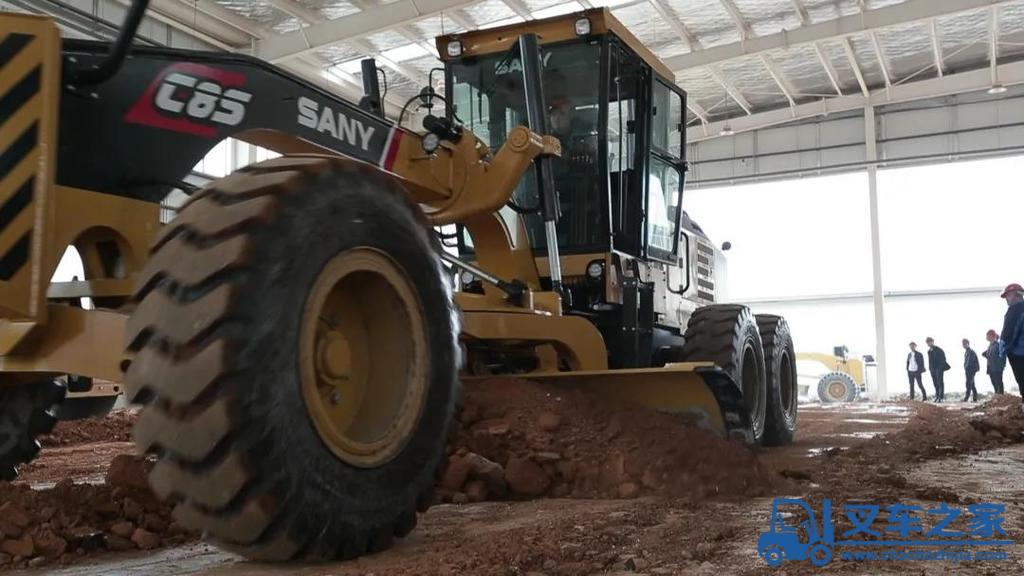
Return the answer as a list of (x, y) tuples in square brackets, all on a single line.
[(192, 99)]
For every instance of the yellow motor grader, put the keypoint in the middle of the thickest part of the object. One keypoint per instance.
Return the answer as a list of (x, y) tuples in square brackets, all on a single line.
[(293, 334)]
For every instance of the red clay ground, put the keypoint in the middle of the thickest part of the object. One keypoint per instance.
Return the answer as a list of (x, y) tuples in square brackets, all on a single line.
[(676, 525)]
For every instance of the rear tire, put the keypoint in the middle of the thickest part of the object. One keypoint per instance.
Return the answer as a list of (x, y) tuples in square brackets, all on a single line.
[(727, 335), (781, 379), (221, 335), (837, 387), (27, 411)]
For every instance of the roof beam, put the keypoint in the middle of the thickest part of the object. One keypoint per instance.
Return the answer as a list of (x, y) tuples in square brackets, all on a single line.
[(971, 81), (940, 66), (830, 70), (730, 89), (993, 50), (365, 23), (198, 24), (310, 17), (676, 25), (852, 57), (520, 8), (801, 11), (867, 21), (217, 12), (737, 17), (776, 75), (881, 59)]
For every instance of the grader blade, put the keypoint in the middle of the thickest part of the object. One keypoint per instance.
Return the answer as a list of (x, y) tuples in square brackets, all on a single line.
[(700, 392)]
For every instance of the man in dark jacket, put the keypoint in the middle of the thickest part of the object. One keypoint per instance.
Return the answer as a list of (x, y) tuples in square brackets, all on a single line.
[(915, 367), (971, 367), (937, 367), (1013, 331), (996, 357)]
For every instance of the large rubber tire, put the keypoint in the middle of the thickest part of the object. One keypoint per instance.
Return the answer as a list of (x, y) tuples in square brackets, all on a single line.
[(781, 380), (837, 387), (27, 411), (217, 336), (727, 335)]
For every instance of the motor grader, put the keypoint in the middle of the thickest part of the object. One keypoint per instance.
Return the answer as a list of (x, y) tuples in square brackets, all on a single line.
[(293, 334)]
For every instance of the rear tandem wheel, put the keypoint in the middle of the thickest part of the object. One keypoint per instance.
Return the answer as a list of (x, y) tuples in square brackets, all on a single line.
[(296, 349)]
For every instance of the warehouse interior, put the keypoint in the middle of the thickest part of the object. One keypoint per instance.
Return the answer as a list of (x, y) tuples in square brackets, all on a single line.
[(847, 182)]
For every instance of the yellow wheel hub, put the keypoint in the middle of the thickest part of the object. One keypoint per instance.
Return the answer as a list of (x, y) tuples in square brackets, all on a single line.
[(837, 389), (363, 360)]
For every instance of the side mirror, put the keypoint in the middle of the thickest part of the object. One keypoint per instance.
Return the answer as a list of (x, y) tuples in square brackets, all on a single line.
[(726, 246)]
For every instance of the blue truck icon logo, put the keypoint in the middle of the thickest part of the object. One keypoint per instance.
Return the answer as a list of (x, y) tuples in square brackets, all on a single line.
[(782, 542)]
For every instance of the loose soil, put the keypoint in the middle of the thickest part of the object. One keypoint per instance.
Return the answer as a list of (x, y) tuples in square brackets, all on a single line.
[(557, 483)]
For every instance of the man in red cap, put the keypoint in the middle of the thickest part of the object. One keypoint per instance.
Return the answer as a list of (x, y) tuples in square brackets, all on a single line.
[(1013, 331)]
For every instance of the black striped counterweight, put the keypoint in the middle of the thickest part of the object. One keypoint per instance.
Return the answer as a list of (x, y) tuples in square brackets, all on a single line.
[(20, 114)]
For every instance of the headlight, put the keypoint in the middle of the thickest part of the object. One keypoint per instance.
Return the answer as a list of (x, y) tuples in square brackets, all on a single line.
[(595, 269), (466, 278), (582, 27), (455, 48), (431, 142)]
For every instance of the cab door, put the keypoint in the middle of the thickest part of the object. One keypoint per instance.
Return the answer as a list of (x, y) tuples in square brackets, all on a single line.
[(665, 169)]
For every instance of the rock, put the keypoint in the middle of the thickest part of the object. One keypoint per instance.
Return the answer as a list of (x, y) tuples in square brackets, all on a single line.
[(129, 471), (549, 421), (560, 491), (703, 548), (494, 427), (9, 530), (46, 514), (84, 538), (133, 510), (547, 457), (107, 508), (460, 498), (628, 490), (49, 544), (614, 427), (476, 490), (23, 546), (123, 529), (650, 480), (145, 539), (37, 561), (566, 469), (993, 433), (175, 529), (154, 523), (5, 558), (492, 473), (118, 544), (456, 473), (613, 471), (526, 477), (15, 515)]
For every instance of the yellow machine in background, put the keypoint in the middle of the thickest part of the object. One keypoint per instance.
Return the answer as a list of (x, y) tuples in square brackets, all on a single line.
[(845, 380)]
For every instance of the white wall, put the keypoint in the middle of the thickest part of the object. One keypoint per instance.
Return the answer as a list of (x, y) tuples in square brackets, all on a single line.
[(943, 227)]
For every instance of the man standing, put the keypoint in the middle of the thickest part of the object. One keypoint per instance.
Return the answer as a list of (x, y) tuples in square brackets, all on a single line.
[(937, 367), (996, 357), (1013, 331), (971, 367), (915, 367)]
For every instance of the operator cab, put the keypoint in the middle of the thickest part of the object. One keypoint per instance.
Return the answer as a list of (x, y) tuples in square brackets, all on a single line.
[(617, 113)]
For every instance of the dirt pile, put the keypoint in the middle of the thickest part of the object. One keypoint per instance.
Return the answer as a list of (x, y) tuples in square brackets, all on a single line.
[(521, 439), (115, 426), (873, 466), (56, 526)]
